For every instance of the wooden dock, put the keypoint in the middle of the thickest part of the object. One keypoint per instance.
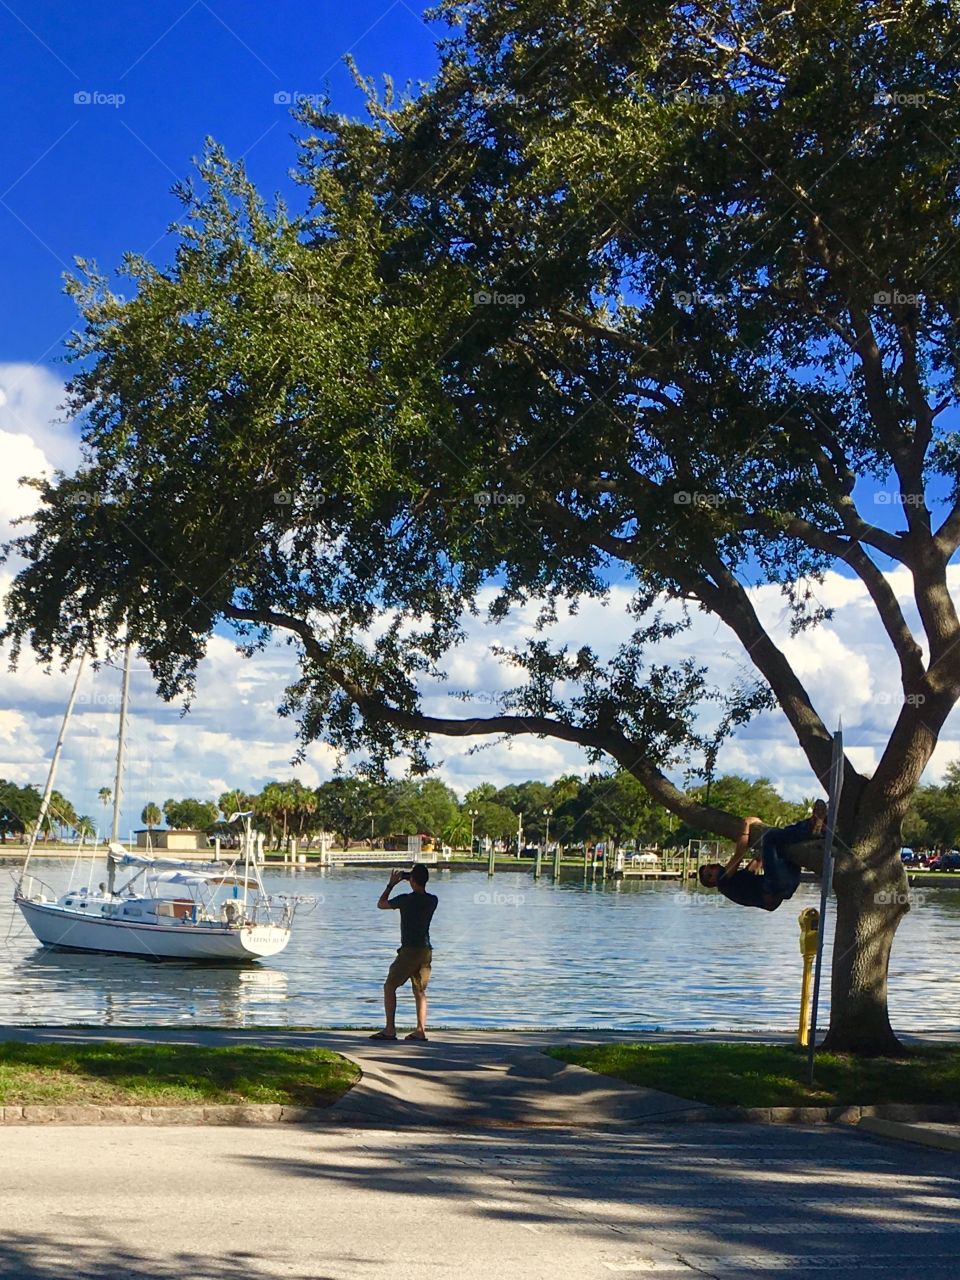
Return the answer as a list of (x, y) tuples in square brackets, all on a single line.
[(651, 873)]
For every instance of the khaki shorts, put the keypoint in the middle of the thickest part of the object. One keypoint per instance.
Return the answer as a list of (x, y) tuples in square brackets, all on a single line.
[(412, 963)]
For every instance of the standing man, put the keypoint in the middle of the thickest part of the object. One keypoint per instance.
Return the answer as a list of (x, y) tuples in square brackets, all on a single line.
[(415, 952)]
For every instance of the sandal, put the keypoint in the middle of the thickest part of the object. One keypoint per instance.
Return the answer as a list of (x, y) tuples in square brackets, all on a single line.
[(382, 1035)]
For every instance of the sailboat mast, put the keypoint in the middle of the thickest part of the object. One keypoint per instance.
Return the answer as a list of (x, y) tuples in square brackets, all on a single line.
[(54, 762), (118, 778), (121, 744)]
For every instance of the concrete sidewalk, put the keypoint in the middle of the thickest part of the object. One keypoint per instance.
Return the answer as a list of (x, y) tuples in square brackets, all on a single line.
[(484, 1079)]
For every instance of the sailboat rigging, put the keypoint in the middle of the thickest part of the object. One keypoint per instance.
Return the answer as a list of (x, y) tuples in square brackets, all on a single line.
[(167, 908)]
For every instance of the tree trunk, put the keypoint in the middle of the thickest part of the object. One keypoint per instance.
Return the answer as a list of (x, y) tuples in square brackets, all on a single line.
[(871, 899)]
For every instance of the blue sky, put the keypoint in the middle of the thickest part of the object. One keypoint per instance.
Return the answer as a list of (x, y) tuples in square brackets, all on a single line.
[(93, 179)]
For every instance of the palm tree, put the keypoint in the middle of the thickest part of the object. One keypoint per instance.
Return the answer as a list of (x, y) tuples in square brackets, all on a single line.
[(85, 828), (105, 795), (272, 806), (151, 816), (457, 831)]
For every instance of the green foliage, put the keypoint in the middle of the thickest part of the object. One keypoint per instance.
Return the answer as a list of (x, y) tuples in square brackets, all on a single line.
[(933, 819), (612, 806), (20, 808), (749, 798), (151, 815), (189, 814)]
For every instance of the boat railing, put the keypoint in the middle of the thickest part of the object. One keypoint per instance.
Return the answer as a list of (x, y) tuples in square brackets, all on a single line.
[(34, 889)]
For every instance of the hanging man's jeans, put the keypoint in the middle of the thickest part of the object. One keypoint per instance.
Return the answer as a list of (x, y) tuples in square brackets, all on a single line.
[(780, 877)]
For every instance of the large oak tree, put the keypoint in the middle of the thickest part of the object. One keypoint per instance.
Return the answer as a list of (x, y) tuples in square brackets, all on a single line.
[(644, 291)]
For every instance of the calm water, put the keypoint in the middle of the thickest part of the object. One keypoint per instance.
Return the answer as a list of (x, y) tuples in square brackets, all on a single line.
[(507, 953)]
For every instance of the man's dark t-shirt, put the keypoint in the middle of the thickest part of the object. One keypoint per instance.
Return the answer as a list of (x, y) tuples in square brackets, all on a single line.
[(743, 887), (416, 912)]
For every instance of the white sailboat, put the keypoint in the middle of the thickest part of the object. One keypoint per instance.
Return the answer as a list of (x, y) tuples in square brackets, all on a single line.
[(165, 909)]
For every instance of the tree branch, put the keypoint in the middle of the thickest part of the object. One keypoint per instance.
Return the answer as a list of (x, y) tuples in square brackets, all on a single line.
[(372, 706), (901, 637), (947, 537)]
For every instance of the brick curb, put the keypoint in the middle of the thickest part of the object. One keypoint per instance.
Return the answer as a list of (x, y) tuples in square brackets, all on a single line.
[(900, 1112), (255, 1114), (911, 1133), (887, 1117), (886, 1112)]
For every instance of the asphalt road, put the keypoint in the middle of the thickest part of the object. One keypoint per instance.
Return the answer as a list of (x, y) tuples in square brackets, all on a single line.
[(723, 1201)]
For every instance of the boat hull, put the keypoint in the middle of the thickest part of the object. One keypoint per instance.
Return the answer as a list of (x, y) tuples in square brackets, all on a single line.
[(57, 926)]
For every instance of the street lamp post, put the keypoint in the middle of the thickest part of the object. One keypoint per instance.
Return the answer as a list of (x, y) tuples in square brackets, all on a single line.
[(474, 814)]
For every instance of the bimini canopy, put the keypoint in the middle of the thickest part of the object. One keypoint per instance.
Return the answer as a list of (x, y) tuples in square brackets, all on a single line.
[(124, 858), (181, 877), (198, 877)]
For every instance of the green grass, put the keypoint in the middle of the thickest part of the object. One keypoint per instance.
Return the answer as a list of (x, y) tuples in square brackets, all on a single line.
[(761, 1075), (105, 1073)]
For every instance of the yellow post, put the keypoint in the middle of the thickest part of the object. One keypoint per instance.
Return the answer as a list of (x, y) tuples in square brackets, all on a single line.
[(809, 924)]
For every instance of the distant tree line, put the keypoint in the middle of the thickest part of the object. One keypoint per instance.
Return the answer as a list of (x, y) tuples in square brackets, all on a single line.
[(610, 807), (933, 821), (20, 808)]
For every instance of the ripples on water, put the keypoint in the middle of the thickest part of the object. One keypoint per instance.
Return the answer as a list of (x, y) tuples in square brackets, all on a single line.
[(508, 952)]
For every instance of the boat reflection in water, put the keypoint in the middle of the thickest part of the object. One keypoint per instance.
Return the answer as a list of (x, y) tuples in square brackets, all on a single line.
[(113, 990)]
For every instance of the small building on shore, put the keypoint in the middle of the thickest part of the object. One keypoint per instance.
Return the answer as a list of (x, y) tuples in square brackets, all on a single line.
[(172, 841)]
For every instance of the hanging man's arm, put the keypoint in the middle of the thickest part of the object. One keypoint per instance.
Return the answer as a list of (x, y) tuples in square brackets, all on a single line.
[(742, 846)]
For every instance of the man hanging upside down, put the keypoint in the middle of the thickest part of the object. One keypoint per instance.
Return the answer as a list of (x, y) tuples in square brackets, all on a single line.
[(770, 879)]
